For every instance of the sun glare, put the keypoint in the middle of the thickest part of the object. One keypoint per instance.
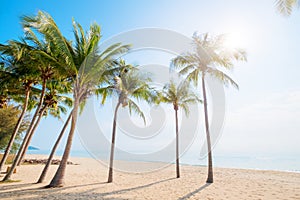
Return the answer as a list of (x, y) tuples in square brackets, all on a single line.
[(235, 40)]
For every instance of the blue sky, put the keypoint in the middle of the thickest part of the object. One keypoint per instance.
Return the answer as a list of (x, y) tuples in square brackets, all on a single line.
[(262, 117)]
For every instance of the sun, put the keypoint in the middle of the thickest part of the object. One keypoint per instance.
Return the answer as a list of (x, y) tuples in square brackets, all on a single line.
[(235, 40)]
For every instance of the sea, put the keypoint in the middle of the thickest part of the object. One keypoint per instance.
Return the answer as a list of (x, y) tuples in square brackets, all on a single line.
[(288, 163)]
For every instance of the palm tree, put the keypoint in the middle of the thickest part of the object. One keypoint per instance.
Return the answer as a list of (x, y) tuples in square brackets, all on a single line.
[(179, 96), (128, 85), (18, 72), (286, 7), (83, 63), (48, 67), (53, 104), (55, 95), (208, 53), (53, 99)]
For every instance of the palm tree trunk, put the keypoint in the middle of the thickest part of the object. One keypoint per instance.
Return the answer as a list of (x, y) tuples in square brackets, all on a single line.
[(177, 145), (210, 167), (112, 149), (16, 130), (31, 134), (33, 124), (45, 170), (58, 179), (17, 158)]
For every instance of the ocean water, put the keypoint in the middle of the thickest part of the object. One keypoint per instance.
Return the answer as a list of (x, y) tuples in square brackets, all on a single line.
[(289, 163)]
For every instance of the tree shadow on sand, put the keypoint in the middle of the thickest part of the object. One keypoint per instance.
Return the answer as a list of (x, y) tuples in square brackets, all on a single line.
[(20, 189), (40, 192), (187, 196), (134, 188), (9, 186)]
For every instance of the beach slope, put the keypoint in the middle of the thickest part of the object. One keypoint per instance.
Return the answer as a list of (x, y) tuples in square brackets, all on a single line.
[(88, 181)]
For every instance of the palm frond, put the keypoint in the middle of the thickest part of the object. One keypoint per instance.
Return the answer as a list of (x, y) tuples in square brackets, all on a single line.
[(133, 107), (286, 7), (104, 92), (193, 77), (180, 95), (45, 25), (187, 69), (209, 53), (224, 78)]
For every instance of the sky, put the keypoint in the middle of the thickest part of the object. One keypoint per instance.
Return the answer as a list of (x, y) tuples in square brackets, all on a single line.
[(262, 117)]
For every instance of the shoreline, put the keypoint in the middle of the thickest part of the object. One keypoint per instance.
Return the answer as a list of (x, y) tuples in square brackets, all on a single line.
[(181, 164)]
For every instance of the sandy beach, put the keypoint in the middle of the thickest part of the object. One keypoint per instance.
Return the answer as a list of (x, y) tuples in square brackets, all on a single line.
[(87, 180)]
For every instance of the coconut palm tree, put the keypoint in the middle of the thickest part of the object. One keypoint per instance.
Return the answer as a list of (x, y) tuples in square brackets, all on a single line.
[(54, 103), (209, 55), (180, 96), (129, 85), (286, 7), (48, 67), (55, 100), (83, 63), (17, 72)]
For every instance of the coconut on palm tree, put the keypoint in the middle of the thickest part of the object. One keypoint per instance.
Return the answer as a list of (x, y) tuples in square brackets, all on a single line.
[(83, 63), (55, 100), (52, 101), (208, 57), (180, 96), (129, 85)]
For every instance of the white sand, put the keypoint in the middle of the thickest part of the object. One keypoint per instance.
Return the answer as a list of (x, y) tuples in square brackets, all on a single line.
[(87, 181)]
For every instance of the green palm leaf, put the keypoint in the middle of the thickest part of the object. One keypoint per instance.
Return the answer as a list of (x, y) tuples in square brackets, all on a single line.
[(133, 107)]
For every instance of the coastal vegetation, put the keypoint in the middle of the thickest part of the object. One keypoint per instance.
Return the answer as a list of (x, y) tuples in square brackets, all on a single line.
[(50, 74)]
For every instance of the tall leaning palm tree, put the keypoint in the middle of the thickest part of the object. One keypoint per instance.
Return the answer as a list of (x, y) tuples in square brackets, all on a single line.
[(17, 72), (180, 96), (129, 85), (208, 57), (83, 63), (54, 104), (45, 65), (52, 100), (48, 67)]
